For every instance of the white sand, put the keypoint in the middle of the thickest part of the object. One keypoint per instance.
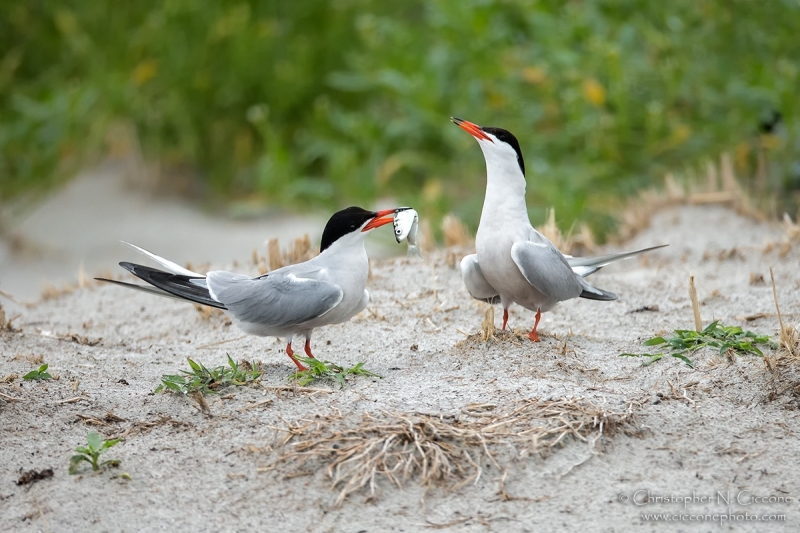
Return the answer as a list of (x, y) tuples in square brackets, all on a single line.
[(724, 435)]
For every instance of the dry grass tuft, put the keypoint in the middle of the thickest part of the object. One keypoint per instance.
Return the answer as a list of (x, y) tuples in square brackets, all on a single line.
[(718, 186), (207, 313), (488, 328), (425, 238), (442, 450), (299, 251), (785, 362), (791, 236), (36, 359), (573, 243), (550, 230), (51, 292), (274, 254), (455, 232)]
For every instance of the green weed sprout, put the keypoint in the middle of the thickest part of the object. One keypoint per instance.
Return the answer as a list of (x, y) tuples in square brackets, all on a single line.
[(96, 445), (318, 370), (206, 380), (726, 339), (39, 373)]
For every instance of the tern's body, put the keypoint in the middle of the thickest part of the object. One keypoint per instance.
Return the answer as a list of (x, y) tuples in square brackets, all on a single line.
[(514, 263), (293, 300)]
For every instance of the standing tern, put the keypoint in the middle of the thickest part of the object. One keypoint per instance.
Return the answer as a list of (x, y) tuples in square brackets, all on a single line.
[(513, 262), (289, 301)]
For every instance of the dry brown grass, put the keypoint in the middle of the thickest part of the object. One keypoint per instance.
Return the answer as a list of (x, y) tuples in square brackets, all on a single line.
[(785, 362), (454, 232), (550, 230), (719, 186), (212, 313), (445, 450), (300, 250), (425, 238), (51, 292), (488, 328), (582, 242)]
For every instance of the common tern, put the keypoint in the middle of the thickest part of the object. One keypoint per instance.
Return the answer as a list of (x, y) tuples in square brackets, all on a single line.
[(513, 262), (289, 301)]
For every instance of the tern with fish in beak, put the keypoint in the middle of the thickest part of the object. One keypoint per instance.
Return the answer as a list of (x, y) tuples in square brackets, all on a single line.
[(406, 222), (289, 301)]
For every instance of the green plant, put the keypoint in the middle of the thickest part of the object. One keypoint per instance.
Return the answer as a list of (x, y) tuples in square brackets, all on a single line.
[(327, 103), (726, 339), (96, 445), (206, 380), (318, 370), (39, 373)]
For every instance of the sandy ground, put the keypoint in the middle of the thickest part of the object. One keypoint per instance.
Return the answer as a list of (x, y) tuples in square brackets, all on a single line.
[(702, 432)]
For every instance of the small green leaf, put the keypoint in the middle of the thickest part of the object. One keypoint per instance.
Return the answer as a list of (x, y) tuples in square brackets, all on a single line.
[(652, 358), (75, 462), (94, 440), (655, 341), (109, 443), (683, 358)]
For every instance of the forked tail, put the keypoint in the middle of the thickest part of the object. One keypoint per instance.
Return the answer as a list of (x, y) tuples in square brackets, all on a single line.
[(182, 287)]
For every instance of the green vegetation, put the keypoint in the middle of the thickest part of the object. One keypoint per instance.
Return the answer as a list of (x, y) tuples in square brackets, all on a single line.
[(96, 445), (319, 370), (726, 339), (206, 381), (334, 103), (38, 374)]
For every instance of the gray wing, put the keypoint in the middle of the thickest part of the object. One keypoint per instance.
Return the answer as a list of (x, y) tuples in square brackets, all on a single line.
[(546, 270), (278, 299), (476, 284)]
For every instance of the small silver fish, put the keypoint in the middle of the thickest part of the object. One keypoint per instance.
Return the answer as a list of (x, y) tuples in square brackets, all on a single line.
[(406, 223)]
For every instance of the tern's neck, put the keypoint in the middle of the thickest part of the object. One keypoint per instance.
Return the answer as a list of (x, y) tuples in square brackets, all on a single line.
[(505, 190), (348, 248)]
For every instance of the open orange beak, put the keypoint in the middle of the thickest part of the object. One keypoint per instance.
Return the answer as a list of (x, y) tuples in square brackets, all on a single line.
[(472, 129), (381, 219)]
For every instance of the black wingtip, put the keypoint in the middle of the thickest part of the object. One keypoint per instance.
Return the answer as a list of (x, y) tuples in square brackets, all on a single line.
[(175, 284), (601, 295)]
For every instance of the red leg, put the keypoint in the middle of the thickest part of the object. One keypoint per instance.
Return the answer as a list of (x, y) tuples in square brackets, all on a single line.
[(533, 336), (505, 318), (290, 353), (308, 349)]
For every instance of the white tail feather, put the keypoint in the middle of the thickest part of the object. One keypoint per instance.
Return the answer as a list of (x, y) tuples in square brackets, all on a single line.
[(169, 265)]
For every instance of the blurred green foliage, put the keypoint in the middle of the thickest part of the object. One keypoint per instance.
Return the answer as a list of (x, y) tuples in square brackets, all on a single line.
[(335, 102)]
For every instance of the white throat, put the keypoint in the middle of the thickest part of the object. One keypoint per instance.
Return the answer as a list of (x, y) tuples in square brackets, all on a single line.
[(351, 244), (505, 187)]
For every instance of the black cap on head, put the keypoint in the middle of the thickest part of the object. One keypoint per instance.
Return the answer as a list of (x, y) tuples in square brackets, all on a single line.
[(344, 222), (508, 137)]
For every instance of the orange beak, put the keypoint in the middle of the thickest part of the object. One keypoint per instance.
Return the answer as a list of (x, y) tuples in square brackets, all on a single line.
[(381, 219), (472, 129)]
